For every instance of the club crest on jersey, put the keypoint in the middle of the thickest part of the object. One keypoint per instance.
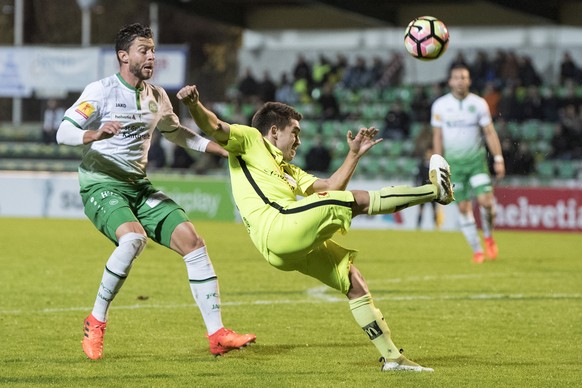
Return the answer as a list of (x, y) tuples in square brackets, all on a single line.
[(85, 109), (153, 106)]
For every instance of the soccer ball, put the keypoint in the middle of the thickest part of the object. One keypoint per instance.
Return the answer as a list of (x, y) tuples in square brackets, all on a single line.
[(426, 38)]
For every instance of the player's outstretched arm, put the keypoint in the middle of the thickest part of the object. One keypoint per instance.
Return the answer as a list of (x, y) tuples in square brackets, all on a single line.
[(359, 145), (69, 134), (206, 120)]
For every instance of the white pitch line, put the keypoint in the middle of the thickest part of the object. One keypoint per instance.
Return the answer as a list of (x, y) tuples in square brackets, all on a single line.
[(316, 296), (425, 278)]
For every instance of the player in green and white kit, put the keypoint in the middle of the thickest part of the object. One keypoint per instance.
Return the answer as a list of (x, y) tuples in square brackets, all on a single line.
[(295, 235), (113, 120), (460, 121)]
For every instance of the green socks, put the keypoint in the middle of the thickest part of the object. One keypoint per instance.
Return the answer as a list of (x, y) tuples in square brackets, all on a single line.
[(372, 322), (395, 198)]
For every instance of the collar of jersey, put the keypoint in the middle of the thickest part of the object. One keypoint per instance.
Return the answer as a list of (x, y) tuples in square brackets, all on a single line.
[(275, 152), (120, 78)]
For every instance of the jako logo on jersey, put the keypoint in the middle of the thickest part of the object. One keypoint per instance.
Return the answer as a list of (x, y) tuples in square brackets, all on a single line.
[(85, 109), (120, 105)]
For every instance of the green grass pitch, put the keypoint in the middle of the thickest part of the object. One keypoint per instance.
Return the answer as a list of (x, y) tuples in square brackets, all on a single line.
[(515, 322)]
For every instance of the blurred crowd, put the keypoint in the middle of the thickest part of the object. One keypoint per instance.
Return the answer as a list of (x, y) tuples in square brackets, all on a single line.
[(510, 83)]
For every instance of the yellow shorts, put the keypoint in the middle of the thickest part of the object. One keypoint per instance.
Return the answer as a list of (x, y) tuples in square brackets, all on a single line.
[(299, 239)]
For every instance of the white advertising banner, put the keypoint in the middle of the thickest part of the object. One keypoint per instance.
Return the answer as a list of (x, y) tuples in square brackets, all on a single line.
[(57, 195), (40, 195), (169, 72), (56, 71), (14, 80)]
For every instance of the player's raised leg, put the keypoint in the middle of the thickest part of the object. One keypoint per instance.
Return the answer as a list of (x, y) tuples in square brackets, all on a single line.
[(396, 198)]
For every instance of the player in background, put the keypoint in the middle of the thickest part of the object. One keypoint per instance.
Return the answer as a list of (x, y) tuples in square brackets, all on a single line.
[(113, 120), (295, 235), (460, 120)]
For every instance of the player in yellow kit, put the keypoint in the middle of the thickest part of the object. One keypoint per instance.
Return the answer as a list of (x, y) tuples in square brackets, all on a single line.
[(295, 235)]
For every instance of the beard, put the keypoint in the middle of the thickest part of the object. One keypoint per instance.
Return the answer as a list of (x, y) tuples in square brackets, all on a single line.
[(141, 73)]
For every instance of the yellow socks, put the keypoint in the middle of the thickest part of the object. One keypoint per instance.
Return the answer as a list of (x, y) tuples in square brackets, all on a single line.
[(372, 322), (395, 198)]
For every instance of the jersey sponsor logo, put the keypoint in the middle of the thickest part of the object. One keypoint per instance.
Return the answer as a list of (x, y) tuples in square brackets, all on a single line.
[(373, 330), (153, 106), (85, 109), (136, 131), (125, 116)]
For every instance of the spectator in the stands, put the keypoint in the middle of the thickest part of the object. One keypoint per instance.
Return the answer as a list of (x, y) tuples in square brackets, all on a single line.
[(481, 71), (420, 105), (508, 150), (495, 66), (532, 106), (523, 161), (550, 105), (285, 92), (267, 87), (338, 68), (318, 157), (571, 123), (393, 71), (52, 116), (528, 75), (508, 107), (396, 123), (569, 95), (358, 75), (302, 70), (492, 96), (248, 86), (509, 71), (321, 71), (377, 70), (569, 71), (330, 107), (302, 88), (572, 127), (560, 144)]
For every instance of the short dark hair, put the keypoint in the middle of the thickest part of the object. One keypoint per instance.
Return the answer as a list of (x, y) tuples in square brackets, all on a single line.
[(459, 66), (274, 113), (127, 34)]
